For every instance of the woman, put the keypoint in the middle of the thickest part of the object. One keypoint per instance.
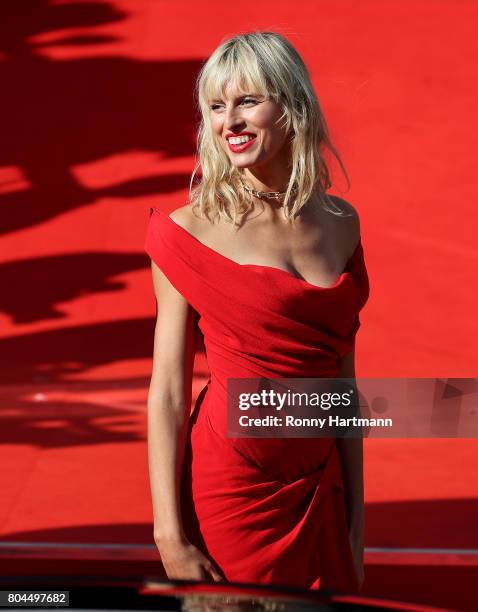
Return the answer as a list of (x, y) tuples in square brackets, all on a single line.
[(271, 270)]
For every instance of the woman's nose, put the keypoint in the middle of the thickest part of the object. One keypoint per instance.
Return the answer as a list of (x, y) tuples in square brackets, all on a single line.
[(233, 119)]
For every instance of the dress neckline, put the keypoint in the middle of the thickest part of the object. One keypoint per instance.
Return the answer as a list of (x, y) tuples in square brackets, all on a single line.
[(272, 269)]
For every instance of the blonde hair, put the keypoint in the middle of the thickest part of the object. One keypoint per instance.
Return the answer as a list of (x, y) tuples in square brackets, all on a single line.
[(266, 63)]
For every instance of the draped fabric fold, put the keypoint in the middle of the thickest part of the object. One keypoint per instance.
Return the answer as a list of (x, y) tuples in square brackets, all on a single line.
[(266, 510)]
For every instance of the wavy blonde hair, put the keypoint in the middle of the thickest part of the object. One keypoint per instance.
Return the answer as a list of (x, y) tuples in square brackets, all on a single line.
[(267, 64)]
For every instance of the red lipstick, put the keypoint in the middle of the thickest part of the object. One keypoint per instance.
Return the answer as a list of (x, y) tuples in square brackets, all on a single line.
[(238, 148)]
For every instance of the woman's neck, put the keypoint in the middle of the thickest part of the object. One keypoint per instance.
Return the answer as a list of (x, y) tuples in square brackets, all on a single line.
[(267, 180)]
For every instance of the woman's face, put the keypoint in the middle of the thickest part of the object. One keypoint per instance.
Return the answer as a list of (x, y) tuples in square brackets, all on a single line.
[(248, 128)]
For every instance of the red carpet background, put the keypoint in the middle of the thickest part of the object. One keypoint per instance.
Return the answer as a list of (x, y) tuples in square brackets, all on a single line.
[(98, 125)]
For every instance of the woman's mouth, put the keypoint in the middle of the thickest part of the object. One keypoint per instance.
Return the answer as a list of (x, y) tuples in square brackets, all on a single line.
[(237, 144)]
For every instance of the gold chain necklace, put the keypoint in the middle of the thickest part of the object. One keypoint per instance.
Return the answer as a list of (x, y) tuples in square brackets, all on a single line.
[(273, 195)]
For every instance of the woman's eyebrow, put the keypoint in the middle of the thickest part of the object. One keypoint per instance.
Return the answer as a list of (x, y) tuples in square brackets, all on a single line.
[(245, 95)]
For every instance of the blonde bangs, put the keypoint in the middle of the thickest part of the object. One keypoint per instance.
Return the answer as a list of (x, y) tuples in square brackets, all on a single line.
[(240, 68)]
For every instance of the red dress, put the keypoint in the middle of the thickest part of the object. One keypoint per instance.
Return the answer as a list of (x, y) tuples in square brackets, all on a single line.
[(267, 510)]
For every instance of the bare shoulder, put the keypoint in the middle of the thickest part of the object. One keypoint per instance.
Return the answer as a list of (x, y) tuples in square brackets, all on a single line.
[(348, 220), (344, 210), (183, 216), (189, 220)]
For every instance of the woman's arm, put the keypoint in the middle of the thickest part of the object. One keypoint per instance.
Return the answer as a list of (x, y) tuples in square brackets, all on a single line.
[(169, 402), (351, 460), (351, 449)]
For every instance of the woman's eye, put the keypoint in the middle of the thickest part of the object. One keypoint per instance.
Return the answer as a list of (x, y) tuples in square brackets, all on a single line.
[(244, 101)]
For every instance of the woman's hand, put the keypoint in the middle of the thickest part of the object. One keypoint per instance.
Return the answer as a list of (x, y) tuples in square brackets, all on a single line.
[(183, 560), (357, 545)]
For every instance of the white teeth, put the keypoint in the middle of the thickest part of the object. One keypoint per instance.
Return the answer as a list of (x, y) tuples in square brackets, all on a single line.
[(240, 139)]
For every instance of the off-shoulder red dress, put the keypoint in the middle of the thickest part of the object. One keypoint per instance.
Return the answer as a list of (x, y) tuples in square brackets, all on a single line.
[(265, 510)]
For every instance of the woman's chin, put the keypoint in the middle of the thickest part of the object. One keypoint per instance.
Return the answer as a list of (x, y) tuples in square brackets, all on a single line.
[(244, 162)]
